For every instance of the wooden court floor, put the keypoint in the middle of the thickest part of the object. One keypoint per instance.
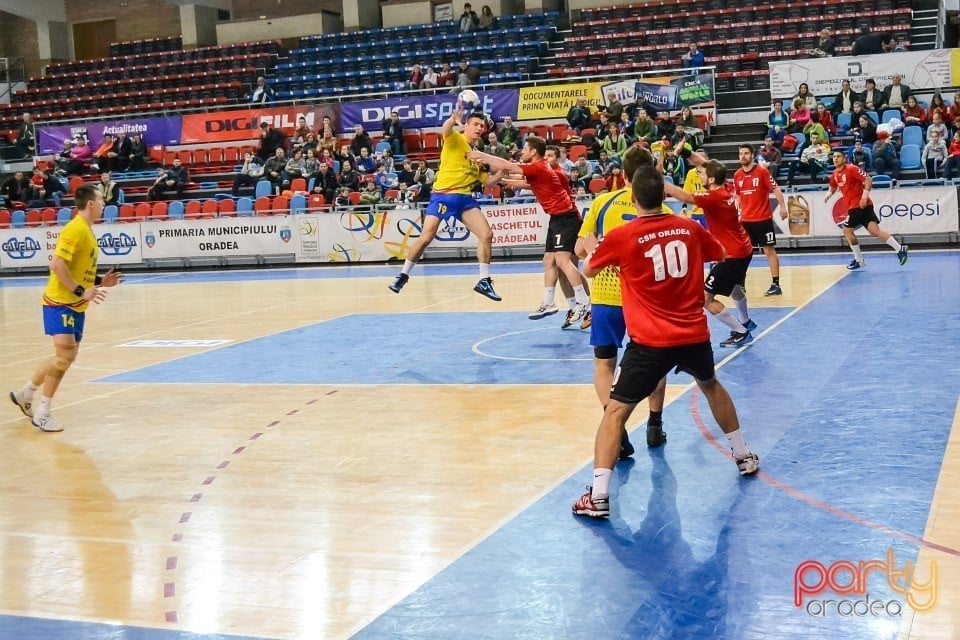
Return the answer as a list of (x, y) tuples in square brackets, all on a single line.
[(274, 506)]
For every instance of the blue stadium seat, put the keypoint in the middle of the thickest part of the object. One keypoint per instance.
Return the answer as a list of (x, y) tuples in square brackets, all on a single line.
[(913, 135), (176, 210), (110, 214), (910, 157)]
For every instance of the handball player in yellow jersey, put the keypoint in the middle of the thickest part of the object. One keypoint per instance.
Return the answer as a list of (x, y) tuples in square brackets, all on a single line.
[(72, 286)]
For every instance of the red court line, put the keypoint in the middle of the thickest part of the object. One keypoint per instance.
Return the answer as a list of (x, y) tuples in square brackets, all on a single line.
[(804, 497)]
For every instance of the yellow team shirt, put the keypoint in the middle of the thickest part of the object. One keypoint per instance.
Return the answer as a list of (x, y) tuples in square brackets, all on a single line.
[(77, 246), (693, 184), (608, 211), (457, 174)]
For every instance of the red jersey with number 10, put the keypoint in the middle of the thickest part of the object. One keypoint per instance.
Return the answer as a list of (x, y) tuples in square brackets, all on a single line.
[(661, 274), (720, 208), (850, 180), (754, 188)]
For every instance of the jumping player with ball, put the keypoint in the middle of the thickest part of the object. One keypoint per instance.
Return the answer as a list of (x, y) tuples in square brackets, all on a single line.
[(452, 195)]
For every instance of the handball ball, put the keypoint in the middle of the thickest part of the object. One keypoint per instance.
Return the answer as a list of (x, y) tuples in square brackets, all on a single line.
[(468, 101)]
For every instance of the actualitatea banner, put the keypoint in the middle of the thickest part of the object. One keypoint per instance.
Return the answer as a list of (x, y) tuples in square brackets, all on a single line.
[(154, 131), (920, 70), (33, 246)]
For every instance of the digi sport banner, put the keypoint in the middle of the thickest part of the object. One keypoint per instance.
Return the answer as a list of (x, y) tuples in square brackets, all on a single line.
[(422, 112)]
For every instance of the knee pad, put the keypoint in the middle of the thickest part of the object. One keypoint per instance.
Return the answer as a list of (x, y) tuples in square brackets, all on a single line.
[(604, 353)]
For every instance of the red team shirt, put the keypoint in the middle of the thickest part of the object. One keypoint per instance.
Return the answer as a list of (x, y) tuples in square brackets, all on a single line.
[(754, 188), (850, 181), (720, 208), (546, 186), (661, 273)]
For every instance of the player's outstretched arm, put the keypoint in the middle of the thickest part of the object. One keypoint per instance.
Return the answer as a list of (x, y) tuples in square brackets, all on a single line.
[(450, 123), (673, 191), (496, 163)]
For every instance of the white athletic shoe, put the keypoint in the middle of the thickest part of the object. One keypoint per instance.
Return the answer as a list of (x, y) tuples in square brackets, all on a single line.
[(16, 397), (46, 423), (543, 311)]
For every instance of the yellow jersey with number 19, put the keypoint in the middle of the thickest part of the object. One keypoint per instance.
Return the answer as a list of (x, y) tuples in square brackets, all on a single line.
[(457, 174), (77, 246)]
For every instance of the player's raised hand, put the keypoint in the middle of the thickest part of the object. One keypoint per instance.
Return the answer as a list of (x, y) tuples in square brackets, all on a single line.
[(111, 278)]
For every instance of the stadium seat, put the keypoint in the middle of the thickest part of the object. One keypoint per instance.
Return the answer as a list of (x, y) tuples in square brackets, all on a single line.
[(298, 204), (262, 206), (193, 210), (913, 135), (210, 208), (910, 157), (159, 210), (65, 214), (244, 207), (175, 210), (142, 210), (228, 207), (263, 188)]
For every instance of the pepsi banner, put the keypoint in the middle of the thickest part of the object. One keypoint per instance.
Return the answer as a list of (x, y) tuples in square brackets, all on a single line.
[(154, 131), (33, 246), (422, 112)]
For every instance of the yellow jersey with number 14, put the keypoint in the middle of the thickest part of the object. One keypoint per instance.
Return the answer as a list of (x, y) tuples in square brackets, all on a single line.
[(457, 174), (77, 246)]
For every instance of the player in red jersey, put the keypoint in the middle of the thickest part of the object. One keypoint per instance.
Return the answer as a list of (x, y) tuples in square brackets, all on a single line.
[(726, 278), (854, 185), (564, 221), (660, 258), (754, 185)]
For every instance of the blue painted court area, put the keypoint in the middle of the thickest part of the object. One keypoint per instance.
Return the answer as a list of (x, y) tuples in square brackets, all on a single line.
[(849, 404), (24, 628), (413, 348)]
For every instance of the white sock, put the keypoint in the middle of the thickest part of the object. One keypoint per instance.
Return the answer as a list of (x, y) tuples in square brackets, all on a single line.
[(572, 302), (27, 392), (407, 267), (549, 293), (739, 446), (44, 410), (484, 269), (601, 483), (857, 253), (580, 295), (742, 309), (727, 318), (892, 242)]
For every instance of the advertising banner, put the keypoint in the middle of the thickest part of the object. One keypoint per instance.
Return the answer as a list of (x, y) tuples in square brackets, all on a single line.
[(922, 71), (668, 93), (244, 124), (418, 112), (32, 247), (220, 237), (154, 131)]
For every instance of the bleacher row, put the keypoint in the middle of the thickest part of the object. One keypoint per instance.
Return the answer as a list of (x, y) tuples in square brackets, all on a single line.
[(146, 45)]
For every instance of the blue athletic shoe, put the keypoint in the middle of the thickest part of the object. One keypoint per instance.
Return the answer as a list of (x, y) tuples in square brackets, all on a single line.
[(750, 325), (902, 254), (854, 265), (398, 284), (485, 287), (737, 339)]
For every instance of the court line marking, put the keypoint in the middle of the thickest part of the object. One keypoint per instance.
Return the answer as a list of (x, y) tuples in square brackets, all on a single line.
[(476, 348)]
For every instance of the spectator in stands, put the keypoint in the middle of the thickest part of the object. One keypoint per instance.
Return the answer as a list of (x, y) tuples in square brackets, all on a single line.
[(301, 133), (865, 129), (895, 94), (693, 57), (616, 180), (327, 158), (325, 183), (349, 178), (913, 113), (361, 140), (937, 105), (803, 92), (384, 179), (80, 156), (814, 126), (311, 164), (814, 159), (430, 79), (799, 117), (867, 43), (614, 108), (508, 133), (262, 93), (16, 188), (138, 153), (495, 147), (770, 156), (446, 77), (393, 133), (859, 156), (424, 176), (26, 143), (953, 159), (604, 165), (365, 163), (673, 160), (37, 193), (345, 155), (273, 168), (626, 128), (891, 44), (938, 126), (934, 155), (387, 161), (843, 102), (644, 129), (578, 116), (108, 188), (327, 142), (62, 161), (405, 174), (825, 45), (102, 160), (415, 79), (293, 169), (486, 19), (122, 149), (858, 111), (467, 77), (614, 144), (310, 142), (884, 155), (953, 113), (370, 194), (54, 186), (826, 120), (690, 127), (871, 96), (777, 122), (271, 139), (250, 173), (175, 178), (469, 20)]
